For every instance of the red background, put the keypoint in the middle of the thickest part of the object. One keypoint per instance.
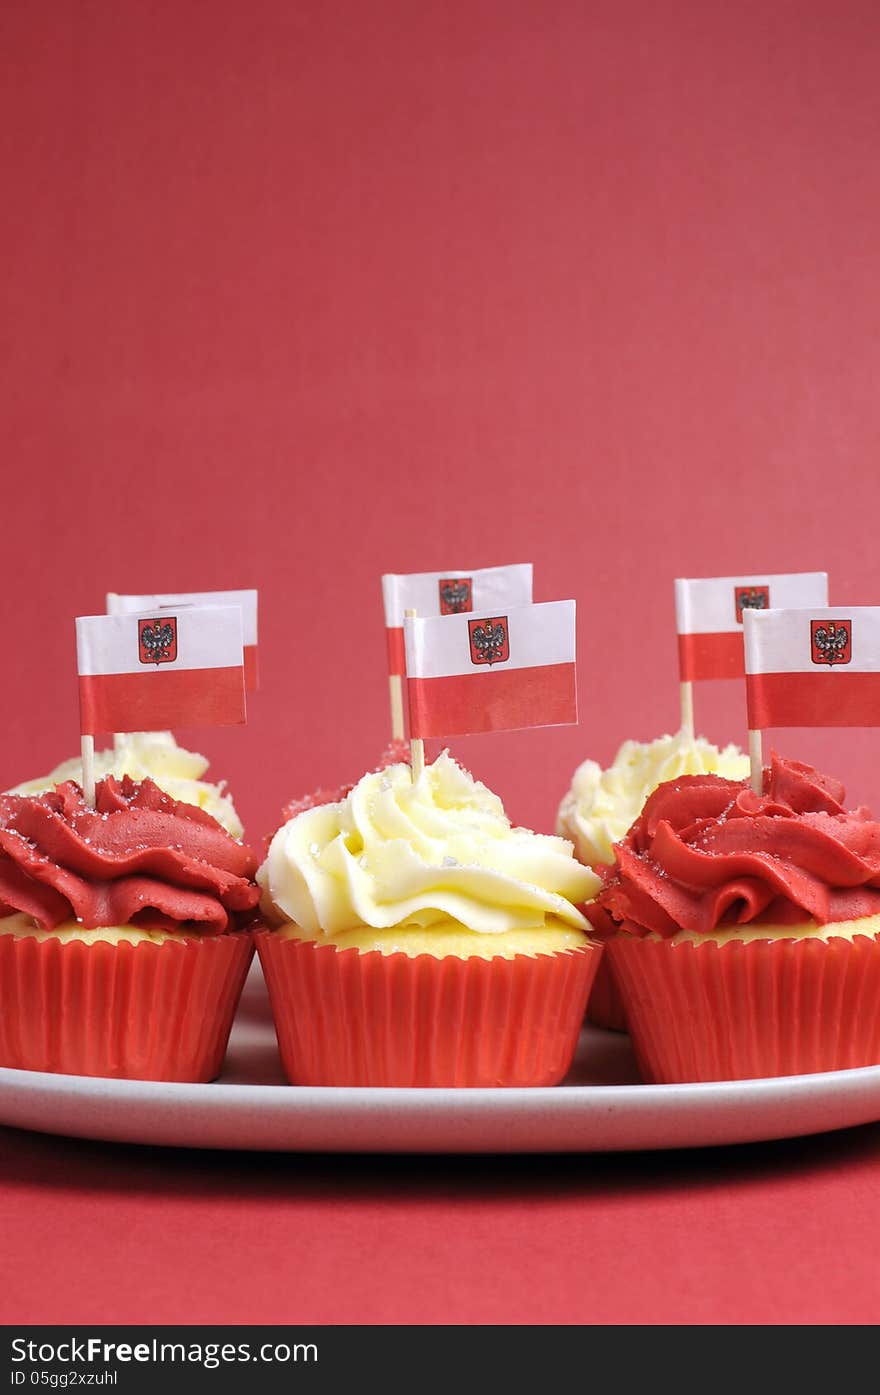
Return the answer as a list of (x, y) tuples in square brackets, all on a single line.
[(297, 293)]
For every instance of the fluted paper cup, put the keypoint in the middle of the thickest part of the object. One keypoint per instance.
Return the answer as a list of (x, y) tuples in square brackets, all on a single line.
[(744, 1010), (143, 1011), (605, 1005), (346, 1017)]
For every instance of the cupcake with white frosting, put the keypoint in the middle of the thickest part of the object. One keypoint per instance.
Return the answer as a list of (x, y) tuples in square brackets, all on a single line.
[(156, 756), (420, 939)]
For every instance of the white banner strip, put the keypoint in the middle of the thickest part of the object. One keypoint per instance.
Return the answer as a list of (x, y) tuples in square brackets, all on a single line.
[(536, 635), (808, 641), (489, 587), (708, 605), (206, 637), (118, 604)]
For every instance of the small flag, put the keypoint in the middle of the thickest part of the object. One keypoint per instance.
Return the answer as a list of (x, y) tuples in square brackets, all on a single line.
[(709, 616), (492, 671), (449, 593), (167, 669), (174, 600), (813, 668)]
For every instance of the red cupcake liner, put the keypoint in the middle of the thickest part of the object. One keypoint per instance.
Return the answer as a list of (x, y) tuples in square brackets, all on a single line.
[(141, 1011), (605, 1005), (744, 1010), (343, 1017)]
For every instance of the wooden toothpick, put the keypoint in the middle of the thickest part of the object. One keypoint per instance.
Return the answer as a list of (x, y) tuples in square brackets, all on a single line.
[(686, 691), (395, 693), (87, 747), (756, 762)]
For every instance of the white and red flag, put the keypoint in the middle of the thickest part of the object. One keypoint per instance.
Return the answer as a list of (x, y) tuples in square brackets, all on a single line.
[(174, 600), (492, 671), (813, 668), (166, 669), (709, 616), (449, 592)]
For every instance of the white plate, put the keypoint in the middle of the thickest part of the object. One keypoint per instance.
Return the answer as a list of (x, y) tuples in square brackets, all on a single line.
[(600, 1107)]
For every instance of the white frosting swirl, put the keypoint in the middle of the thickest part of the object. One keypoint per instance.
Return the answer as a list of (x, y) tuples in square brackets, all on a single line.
[(402, 852), (157, 756), (602, 804)]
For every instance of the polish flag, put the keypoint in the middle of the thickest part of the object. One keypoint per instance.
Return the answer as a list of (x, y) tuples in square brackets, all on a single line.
[(164, 669), (492, 671), (174, 600), (813, 668), (709, 616), (449, 592)]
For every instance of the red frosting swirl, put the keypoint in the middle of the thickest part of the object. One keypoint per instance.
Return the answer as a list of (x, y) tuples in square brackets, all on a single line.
[(706, 852), (138, 858)]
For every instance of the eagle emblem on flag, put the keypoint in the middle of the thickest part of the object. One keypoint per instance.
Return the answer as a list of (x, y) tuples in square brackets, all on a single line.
[(489, 640), (831, 641), (157, 640), (456, 595), (750, 598)]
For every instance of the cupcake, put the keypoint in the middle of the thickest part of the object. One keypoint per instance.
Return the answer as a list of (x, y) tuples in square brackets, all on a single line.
[(418, 938), (124, 933), (153, 755), (602, 804), (748, 928)]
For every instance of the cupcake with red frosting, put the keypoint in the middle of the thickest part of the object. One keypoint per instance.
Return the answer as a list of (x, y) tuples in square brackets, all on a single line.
[(124, 933), (600, 806), (748, 928)]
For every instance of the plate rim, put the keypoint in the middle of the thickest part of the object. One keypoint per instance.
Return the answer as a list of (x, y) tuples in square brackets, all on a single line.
[(47, 1081), (308, 1119), (582, 1116)]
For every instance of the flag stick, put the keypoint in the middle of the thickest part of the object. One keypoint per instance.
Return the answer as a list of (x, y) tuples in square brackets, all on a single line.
[(686, 692), (395, 690), (88, 763), (756, 760), (416, 746)]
